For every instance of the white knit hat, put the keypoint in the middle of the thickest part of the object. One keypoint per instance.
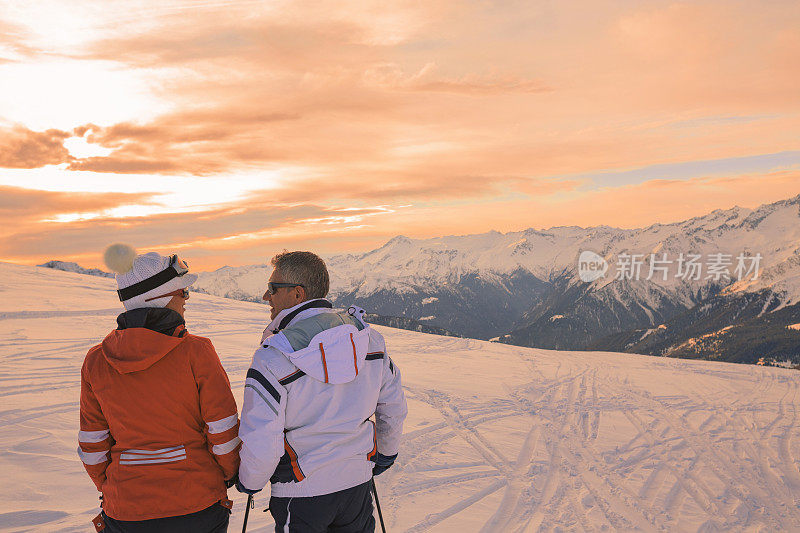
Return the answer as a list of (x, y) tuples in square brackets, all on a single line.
[(154, 274)]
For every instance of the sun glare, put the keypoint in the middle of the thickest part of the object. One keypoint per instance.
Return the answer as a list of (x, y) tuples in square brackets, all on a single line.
[(173, 194), (78, 147), (66, 93)]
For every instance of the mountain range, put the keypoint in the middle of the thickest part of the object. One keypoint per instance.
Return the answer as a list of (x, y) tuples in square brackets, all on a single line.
[(723, 286)]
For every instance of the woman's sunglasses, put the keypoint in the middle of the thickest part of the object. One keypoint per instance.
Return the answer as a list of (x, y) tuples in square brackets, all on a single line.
[(183, 293)]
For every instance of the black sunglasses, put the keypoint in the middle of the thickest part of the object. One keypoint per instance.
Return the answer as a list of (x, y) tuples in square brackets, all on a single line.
[(273, 286)]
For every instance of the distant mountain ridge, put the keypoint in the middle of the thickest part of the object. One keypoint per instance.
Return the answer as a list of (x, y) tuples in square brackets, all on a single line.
[(525, 287), (75, 267)]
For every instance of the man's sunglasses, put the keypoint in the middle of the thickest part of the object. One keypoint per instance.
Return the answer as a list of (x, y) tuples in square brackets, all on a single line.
[(273, 286), (183, 293)]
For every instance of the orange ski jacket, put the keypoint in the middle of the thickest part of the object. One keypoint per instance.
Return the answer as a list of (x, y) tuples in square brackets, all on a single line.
[(158, 422)]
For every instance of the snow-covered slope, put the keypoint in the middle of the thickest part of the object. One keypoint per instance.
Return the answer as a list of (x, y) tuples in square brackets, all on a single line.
[(499, 438)]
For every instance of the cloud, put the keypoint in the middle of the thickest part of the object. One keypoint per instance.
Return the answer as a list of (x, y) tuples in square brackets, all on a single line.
[(128, 165), (18, 205), (289, 33), (479, 85), (23, 148), (424, 186), (720, 55), (249, 42), (231, 227), (513, 91), (673, 200), (299, 86), (392, 76), (191, 142), (13, 44)]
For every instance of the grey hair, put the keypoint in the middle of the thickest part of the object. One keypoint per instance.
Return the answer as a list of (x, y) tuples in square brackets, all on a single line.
[(305, 268)]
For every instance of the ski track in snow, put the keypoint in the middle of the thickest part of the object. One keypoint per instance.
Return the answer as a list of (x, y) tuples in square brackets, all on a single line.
[(499, 438)]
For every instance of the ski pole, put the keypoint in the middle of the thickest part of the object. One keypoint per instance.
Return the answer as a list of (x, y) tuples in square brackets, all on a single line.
[(378, 505), (247, 511)]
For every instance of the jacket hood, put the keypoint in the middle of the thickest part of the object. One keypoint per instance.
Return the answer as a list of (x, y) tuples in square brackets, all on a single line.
[(330, 347), (143, 337)]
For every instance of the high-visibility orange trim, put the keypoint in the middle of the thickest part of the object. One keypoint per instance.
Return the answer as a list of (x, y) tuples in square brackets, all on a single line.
[(371, 454), (293, 460), (324, 364), (355, 359)]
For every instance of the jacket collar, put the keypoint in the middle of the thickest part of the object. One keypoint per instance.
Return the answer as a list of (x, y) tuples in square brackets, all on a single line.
[(158, 319), (285, 317)]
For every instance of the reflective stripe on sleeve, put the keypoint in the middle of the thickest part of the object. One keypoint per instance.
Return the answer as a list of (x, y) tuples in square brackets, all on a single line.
[(228, 447), (224, 424), (90, 437), (92, 458)]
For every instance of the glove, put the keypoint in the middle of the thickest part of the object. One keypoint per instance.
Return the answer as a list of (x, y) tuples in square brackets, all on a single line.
[(382, 463), (244, 490)]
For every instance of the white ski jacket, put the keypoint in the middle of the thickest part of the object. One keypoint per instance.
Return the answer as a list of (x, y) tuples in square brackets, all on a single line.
[(318, 377)]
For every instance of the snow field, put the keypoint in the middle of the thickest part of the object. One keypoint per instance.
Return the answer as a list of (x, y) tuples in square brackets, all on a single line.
[(499, 438)]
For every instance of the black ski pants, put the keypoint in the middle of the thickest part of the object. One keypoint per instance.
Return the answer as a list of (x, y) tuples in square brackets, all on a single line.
[(345, 511), (212, 519)]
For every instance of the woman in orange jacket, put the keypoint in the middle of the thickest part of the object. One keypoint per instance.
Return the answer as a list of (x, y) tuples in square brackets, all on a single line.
[(158, 422)]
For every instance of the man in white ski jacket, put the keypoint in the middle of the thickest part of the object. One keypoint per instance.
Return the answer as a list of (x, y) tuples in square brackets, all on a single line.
[(317, 379)]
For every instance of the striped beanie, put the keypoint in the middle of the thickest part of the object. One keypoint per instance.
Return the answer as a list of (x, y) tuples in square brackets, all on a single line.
[(143, 277)]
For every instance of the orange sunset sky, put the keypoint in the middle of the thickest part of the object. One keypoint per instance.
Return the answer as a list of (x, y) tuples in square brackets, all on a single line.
[(227, 131)]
